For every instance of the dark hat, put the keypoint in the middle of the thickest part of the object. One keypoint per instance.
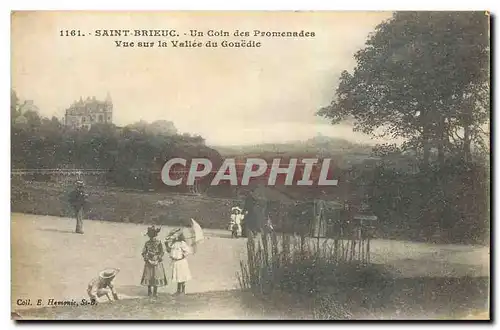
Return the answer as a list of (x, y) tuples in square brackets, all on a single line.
[(180, 237), (153, 231)]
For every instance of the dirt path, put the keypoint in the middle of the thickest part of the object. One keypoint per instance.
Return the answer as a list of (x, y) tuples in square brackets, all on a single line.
[(219, 305), (53, 262)]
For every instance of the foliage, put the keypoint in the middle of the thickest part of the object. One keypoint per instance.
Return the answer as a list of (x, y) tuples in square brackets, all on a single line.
[(294, 266), (129, 153), (424, 77), (290, 263), (415, 80), (449, 202)]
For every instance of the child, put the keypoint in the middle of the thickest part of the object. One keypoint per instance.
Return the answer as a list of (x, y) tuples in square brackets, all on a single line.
[(102, 285), (179, 250), (236, 220), (153, 275)]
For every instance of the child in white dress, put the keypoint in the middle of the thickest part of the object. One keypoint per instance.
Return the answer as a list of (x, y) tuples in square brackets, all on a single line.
[(236, 220), (179, 250)]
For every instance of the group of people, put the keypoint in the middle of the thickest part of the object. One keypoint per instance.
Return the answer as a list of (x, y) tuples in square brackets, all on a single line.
[(254, 217), (153, 275)]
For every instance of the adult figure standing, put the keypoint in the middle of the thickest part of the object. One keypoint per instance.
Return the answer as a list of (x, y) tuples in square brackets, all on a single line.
[(78, 200), (255, 212), (249, 214)]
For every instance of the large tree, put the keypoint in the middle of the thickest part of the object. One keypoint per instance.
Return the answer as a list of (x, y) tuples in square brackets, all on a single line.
[(424, 77)]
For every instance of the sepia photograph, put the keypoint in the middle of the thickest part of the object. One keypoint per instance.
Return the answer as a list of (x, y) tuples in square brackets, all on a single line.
[(250, 165)]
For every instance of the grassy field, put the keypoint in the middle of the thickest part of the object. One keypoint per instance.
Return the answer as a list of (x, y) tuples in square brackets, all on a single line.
[(112, 204), (50, 261)]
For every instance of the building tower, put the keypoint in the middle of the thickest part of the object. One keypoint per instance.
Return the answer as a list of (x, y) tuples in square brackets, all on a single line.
[(108, 109)]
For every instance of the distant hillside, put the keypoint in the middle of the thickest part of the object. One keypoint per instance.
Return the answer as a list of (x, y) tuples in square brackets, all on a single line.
[(342, 150)]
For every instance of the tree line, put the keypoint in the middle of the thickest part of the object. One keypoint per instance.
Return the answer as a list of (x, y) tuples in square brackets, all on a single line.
[(130, 153)]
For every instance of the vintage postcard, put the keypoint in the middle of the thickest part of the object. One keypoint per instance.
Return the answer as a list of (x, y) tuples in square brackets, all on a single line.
[(250, 165)]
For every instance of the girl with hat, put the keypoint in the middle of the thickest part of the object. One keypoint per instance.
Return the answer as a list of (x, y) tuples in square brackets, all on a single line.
[(153, 275), (102, 285), (179, 250)]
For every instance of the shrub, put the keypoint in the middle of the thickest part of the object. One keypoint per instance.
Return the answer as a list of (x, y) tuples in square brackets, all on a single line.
[(299, 264)]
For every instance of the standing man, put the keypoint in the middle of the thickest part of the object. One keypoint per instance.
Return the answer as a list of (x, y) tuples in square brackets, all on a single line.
[(248, 211), (78, 199)]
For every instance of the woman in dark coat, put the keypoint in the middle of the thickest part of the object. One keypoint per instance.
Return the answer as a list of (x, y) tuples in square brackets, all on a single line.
[(255, 213)]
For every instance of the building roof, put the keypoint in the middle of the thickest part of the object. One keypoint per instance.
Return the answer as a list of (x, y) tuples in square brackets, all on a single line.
[(90, 105)]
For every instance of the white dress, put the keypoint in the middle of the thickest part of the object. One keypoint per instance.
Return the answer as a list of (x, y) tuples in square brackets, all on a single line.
[(237, 218), (180, 267)]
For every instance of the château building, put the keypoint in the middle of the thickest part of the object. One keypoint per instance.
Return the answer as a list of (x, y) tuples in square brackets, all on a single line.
[(85, 113)]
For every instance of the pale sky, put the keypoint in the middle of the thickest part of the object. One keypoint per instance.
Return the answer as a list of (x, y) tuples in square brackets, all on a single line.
[(228, 96)]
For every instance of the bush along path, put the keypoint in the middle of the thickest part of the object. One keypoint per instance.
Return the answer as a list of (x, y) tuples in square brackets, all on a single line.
[(333, 288)]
